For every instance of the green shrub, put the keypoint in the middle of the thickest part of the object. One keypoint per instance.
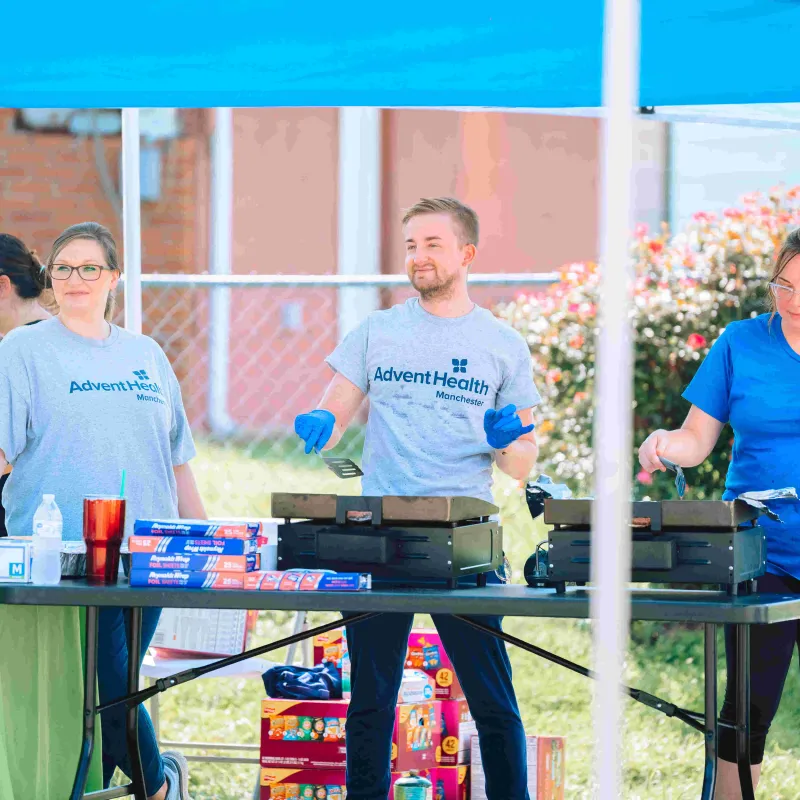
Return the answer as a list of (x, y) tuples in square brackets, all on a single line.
[(688, 288)]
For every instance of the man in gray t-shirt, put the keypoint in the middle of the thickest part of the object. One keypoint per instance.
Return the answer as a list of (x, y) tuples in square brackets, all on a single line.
[(430, 381), (451, 392)]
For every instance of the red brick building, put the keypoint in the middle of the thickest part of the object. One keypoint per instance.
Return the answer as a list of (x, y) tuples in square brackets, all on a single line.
[(532, 179)]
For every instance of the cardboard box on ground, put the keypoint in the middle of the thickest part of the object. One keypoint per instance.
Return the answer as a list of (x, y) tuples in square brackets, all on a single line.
[(546, 768)]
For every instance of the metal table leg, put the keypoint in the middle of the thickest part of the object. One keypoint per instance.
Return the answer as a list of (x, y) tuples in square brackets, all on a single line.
[(132, 721), (743, 711), (710, 669), (89, 704)]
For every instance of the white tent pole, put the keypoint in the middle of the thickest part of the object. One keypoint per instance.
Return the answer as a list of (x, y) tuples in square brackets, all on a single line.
[(132, 219), (611, 543), (221, 264), (359, 211)]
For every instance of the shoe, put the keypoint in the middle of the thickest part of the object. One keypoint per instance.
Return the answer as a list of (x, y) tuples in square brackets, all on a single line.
[(176, 771)]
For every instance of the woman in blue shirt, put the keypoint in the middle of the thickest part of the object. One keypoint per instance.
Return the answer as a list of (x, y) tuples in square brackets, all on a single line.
[(751, 379)]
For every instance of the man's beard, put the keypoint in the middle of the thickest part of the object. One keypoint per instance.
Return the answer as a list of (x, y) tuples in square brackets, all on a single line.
[(442, 290)]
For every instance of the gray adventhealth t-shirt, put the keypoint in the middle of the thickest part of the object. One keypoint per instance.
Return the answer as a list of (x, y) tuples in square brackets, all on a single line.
[(75, 412), (430, 380)]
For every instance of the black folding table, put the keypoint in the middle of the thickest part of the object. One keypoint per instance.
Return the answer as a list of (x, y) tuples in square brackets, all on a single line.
[(666, 605)]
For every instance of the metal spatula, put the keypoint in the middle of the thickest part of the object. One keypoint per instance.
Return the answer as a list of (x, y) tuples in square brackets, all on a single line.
[(341, 467), (680, 478)]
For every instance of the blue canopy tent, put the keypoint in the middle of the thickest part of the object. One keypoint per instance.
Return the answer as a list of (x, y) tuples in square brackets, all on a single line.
[(499, 54), (573, 58)]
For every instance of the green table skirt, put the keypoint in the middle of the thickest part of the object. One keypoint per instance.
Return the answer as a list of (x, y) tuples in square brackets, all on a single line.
[(41, 703)]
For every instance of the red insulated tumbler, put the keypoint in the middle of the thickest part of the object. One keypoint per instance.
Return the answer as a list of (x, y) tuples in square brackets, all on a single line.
[(103, 528)]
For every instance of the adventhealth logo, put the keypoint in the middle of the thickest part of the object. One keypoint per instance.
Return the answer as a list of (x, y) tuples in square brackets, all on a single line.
[(141, 384), (443, 379)]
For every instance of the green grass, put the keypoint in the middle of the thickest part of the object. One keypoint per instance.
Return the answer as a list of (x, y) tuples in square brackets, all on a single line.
[(664, 757)]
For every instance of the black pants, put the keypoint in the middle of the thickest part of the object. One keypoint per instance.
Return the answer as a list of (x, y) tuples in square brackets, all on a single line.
[(771, 651)]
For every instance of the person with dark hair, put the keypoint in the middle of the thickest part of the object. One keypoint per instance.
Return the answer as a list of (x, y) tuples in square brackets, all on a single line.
[(81, 400), (22, 282), (751, 379)]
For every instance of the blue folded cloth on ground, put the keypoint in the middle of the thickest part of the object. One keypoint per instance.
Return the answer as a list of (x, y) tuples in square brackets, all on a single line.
[(323, 682)]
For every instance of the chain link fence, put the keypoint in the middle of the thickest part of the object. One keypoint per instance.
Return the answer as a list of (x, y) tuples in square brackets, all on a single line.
[(249, 354)]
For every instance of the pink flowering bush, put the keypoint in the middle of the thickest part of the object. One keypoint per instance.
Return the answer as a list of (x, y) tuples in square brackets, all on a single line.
[(688, 288)]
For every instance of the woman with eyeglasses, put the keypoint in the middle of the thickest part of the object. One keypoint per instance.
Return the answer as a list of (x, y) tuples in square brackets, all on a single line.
[(44, 676), (751, 379), (80, 400)]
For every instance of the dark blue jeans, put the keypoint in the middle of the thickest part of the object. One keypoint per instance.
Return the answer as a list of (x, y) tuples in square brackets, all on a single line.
[(377, 656), (112, 680)]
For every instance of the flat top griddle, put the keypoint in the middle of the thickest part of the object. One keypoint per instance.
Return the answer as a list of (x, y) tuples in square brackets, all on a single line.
[(391, 508), (687, 514)]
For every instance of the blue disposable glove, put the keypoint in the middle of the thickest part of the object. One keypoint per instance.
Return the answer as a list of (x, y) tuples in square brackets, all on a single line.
[(315, 428), (503, 427)]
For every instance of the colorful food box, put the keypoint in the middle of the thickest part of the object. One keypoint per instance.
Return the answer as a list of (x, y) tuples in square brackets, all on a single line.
[(417, 736), (426, 652), (303, 784), (417, 687), (307, 734), (451, 783), (457, 730), (331, 648)]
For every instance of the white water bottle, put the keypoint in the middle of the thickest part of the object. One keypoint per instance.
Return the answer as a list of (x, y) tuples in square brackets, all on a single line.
[(48, 526)]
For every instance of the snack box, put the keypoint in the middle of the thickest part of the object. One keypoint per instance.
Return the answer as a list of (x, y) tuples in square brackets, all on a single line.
[(290, 581), (197, 528), (194, 563), (451, 783), (417, 687), (416, 737), (303, 784), (426, 652), (16, 555), (185, 546), (303, 734), (330, 647), (310, 734), (187, 580), (457, 728)]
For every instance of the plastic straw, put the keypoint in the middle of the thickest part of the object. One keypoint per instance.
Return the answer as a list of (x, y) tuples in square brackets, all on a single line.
[(122, 487)]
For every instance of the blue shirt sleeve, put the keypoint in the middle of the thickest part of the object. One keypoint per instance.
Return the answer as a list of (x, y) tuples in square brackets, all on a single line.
[(710, 389)]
